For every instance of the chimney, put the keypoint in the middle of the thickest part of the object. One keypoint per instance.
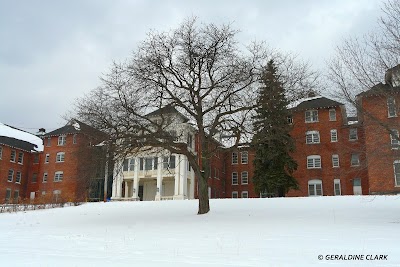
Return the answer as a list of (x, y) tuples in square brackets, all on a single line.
[(41, 131)]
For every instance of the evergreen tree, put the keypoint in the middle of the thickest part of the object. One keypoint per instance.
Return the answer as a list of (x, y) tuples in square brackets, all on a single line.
[(272, 142)]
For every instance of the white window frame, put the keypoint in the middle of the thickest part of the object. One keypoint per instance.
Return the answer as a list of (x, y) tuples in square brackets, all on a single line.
[(62, 140), (13, 156), (47, 158), (235, 194), (353, 134), (313, 137), (235, 158), (334, 136), (391, 105), (10, 175), (396, 174), (335, 161), (8, 192), (336, 182), (355, 160), (332, 114), (244, 157), (58, 176), (317, 186), (235, 178), (18, 177), (20, 157), (245, 194), (314, 162), (246, 175), (60, 157), (394, 139), (311, 116), (45, 177)]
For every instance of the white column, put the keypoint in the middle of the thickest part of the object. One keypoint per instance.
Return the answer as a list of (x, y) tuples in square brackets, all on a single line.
[(177, 169), (191, 190), (183, 177), (117, 183), (159, 178), (135, 183), (126, 189)]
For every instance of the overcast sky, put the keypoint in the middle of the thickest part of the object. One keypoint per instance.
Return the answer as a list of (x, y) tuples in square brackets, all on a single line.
[(52, 52)]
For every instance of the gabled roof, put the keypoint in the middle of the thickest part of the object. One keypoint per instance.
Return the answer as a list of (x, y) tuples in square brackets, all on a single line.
[(72, 127), (168, 109), (315, 103), (17, 143)]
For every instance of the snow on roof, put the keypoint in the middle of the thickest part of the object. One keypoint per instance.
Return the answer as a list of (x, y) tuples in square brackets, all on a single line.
[(21, 135), (76, 126), (352, 122), (299, 101)]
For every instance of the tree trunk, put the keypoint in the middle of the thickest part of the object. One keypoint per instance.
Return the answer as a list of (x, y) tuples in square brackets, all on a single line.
[(204, 204)]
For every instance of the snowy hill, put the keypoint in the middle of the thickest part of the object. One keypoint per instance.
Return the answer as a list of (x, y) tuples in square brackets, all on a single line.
[(237, 232)]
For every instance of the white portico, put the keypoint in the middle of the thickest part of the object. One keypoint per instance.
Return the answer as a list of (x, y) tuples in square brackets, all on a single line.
[(152, 177)]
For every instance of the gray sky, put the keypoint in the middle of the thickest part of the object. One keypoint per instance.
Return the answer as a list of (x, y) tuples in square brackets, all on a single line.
[(52, 52)]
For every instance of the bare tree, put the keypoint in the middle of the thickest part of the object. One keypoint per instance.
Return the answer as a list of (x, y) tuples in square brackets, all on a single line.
[(202, 72)]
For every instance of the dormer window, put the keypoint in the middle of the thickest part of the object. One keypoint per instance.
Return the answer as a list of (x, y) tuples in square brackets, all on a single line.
[(311, 116)]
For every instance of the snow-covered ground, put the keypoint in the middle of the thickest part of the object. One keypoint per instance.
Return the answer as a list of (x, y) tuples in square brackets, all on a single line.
[(237, 232)]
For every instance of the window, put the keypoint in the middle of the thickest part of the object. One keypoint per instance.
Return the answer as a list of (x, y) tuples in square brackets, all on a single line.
[(315, 187), (169, 162), (216, 173), (235, 158), (49, 141), (125, 165), (10, 177), (34, 178), (45, 177), (58, 176), (312, 137), (190, 141), (336, 185), (13, 155), (332, 115), (62, 140), (245, 178), (355, 160), (235, 178), (8, 195), (353, 134), (74, 139), (56, 195), (36, 158), (311, 115), (20, 157), (335, 161), (1, 152), (334, 137), (391, 103), (245, 194), (47, 158), (290, 120), (18, 177), (396, 166), (16, 196), (314, 162), (235, 194), (244, 157), (148, 164), (394, 139), (141, 163), (132, 164), (60, 157)]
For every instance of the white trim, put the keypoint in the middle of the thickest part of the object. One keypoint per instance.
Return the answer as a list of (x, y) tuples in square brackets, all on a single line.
[(235, 193), (311, 116), (332, 117), (334, 136), (315, 160), (337, 182), (335, 159), (317, 186), (313, 137)]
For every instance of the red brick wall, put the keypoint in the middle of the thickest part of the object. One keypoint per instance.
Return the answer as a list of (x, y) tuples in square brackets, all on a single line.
[(6, 165), (380, 155)]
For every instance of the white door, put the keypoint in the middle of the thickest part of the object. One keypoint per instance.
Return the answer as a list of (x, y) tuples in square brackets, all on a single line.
[(357, 190), (32, 195)]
